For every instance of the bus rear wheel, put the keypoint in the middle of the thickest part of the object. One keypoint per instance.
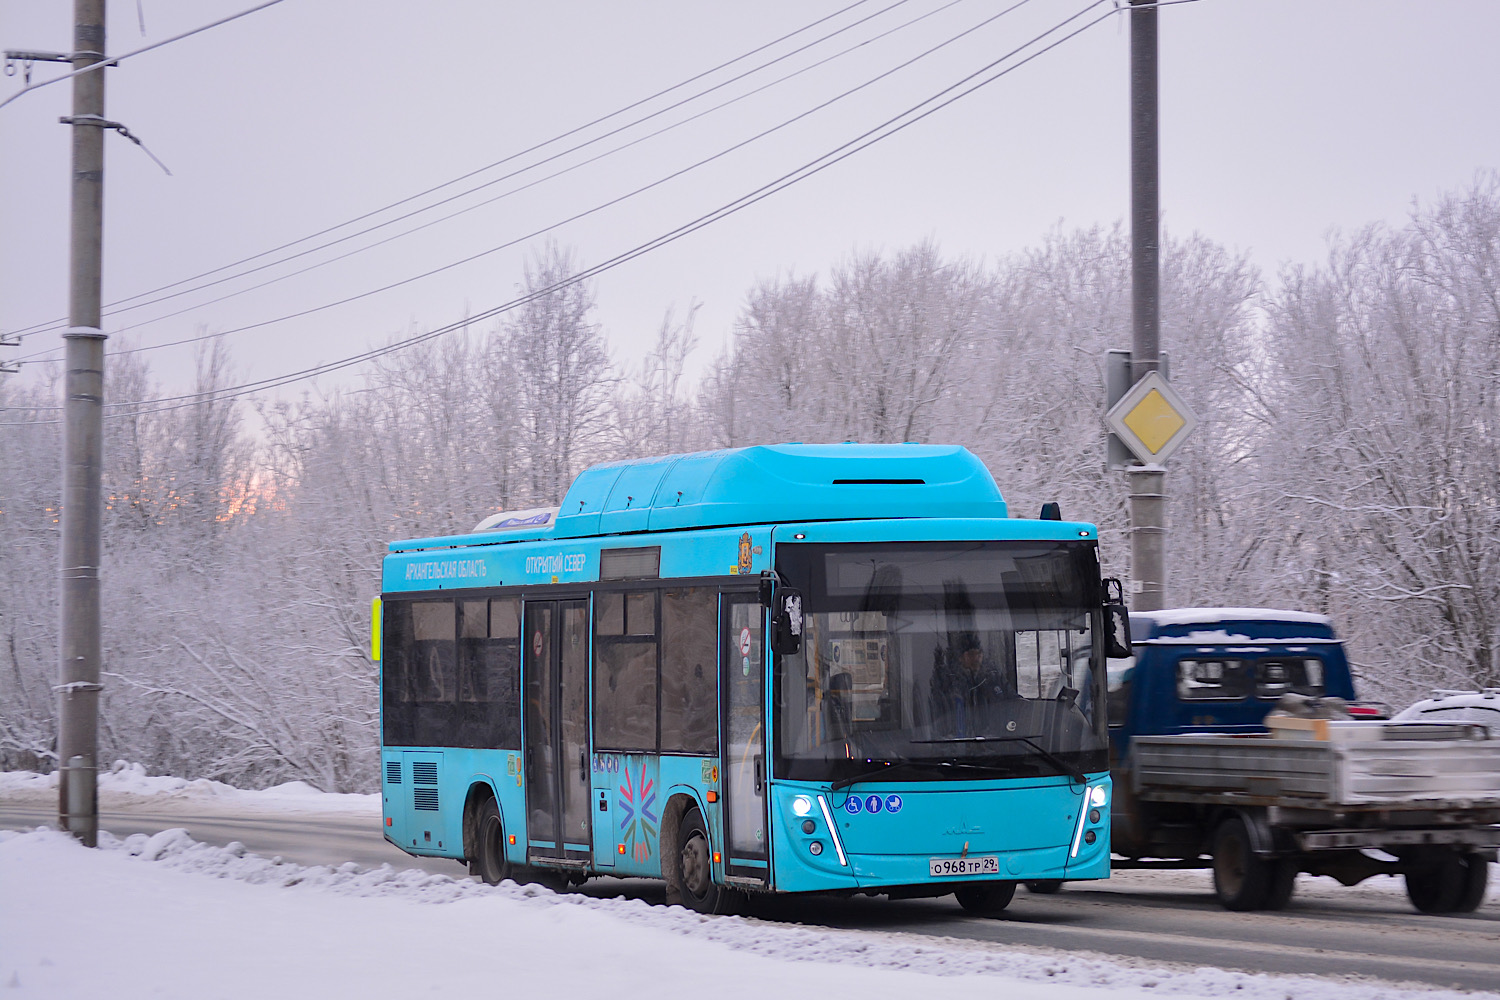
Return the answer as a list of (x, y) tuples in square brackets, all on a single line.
[(694, 877), (986, 899), (489, 861)]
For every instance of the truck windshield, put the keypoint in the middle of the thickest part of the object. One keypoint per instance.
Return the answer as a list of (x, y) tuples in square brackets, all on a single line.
[(980, 653)]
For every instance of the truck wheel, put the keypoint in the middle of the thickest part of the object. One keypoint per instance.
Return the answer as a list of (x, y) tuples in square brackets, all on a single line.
[(489, 861), (986, 899), (695, 874), (1045, 887), (1476, 880), (1282, 885), (1242, 879), (1436, 881)]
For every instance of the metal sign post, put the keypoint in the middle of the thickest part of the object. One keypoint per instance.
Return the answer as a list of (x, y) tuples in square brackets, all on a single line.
[(1148, 522)]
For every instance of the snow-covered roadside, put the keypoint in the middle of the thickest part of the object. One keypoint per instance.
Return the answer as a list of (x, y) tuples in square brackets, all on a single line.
[(124, 785), (176, 918)]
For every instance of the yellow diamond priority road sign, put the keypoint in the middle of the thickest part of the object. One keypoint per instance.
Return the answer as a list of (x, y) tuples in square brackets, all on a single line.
[(1152, 419)]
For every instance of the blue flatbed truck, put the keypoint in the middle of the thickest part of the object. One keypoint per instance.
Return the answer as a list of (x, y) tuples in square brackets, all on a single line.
[(1203, 778)]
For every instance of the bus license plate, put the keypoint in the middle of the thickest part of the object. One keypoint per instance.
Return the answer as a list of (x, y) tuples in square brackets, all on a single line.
[(964, 866)]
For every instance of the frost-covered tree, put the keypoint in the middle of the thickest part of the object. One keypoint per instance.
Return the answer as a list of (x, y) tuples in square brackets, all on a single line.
[(563, 377), (1387, 408), (653, 409)]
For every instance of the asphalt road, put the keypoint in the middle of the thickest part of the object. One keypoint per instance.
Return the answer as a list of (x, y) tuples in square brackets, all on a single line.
[(1157, 917)]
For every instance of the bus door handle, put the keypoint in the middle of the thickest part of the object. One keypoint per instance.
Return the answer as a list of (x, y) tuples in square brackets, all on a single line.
[(583, 766), (760, 776)]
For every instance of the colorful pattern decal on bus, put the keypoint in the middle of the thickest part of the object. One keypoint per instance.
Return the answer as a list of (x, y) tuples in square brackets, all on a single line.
[(637, 820), (744, 563)]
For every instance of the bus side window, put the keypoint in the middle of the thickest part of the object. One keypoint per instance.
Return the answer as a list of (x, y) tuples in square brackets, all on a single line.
[(433, 670), (504, 665), (489, 672), (625, 671), (397, 707), (689, 671)]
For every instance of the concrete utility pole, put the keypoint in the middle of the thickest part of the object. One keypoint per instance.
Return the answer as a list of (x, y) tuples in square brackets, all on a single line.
[(1148, 501), (78, 713)]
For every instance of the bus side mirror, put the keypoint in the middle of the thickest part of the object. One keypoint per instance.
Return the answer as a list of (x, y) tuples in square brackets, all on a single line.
[(786, 622), (1116, 621)]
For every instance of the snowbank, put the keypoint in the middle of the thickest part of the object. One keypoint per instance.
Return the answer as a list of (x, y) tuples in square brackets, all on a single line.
[(126, 784), (176, 918)]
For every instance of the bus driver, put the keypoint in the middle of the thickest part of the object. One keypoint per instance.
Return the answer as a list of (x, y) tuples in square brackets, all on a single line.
[(966, 685)]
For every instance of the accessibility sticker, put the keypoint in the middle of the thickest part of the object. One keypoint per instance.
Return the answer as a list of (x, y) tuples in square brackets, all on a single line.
[(873, 803), (853, 805), (893, 803)]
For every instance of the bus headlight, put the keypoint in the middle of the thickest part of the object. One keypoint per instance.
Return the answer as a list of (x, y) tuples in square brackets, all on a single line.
[(1098, 795), (802, 805)]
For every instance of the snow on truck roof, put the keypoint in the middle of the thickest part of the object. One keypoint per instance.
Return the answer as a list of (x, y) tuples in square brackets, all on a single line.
[(1214, 616), (1229, 626)]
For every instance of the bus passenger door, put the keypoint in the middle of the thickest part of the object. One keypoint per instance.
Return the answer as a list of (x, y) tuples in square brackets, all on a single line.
[(556, 753), (744, 750)]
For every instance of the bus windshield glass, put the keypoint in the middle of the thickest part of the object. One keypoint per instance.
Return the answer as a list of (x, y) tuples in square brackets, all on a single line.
[(954, 660)]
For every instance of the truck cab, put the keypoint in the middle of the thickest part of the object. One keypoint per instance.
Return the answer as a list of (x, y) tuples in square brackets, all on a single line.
[(1219, 670)]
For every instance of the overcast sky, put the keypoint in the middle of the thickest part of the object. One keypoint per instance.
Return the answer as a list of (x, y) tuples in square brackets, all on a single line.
[(1281, 120)]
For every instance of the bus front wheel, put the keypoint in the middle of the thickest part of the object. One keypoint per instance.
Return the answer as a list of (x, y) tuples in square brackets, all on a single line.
[(986, 899), (694, 877), (489, 861)]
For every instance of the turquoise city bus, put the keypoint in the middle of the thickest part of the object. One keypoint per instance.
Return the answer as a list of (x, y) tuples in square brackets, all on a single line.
[(799, 668)]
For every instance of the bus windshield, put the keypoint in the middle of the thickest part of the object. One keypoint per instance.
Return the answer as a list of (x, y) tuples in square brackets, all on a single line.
[(973, 659)]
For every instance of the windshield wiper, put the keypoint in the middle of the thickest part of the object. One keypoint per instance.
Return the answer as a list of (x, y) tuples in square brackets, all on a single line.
[(889, 766), (1041, 751)]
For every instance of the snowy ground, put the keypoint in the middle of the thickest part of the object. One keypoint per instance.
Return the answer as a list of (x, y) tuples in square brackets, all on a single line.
[(164, 916), (125, 785)]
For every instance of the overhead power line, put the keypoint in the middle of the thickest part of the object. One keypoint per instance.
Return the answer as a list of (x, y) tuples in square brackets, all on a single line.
[(918, 112), (31, 358), (116, 60), (55, 324), (596, 208)]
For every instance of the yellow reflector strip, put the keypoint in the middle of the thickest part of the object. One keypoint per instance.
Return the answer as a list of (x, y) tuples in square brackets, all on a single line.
[(375, 630)]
